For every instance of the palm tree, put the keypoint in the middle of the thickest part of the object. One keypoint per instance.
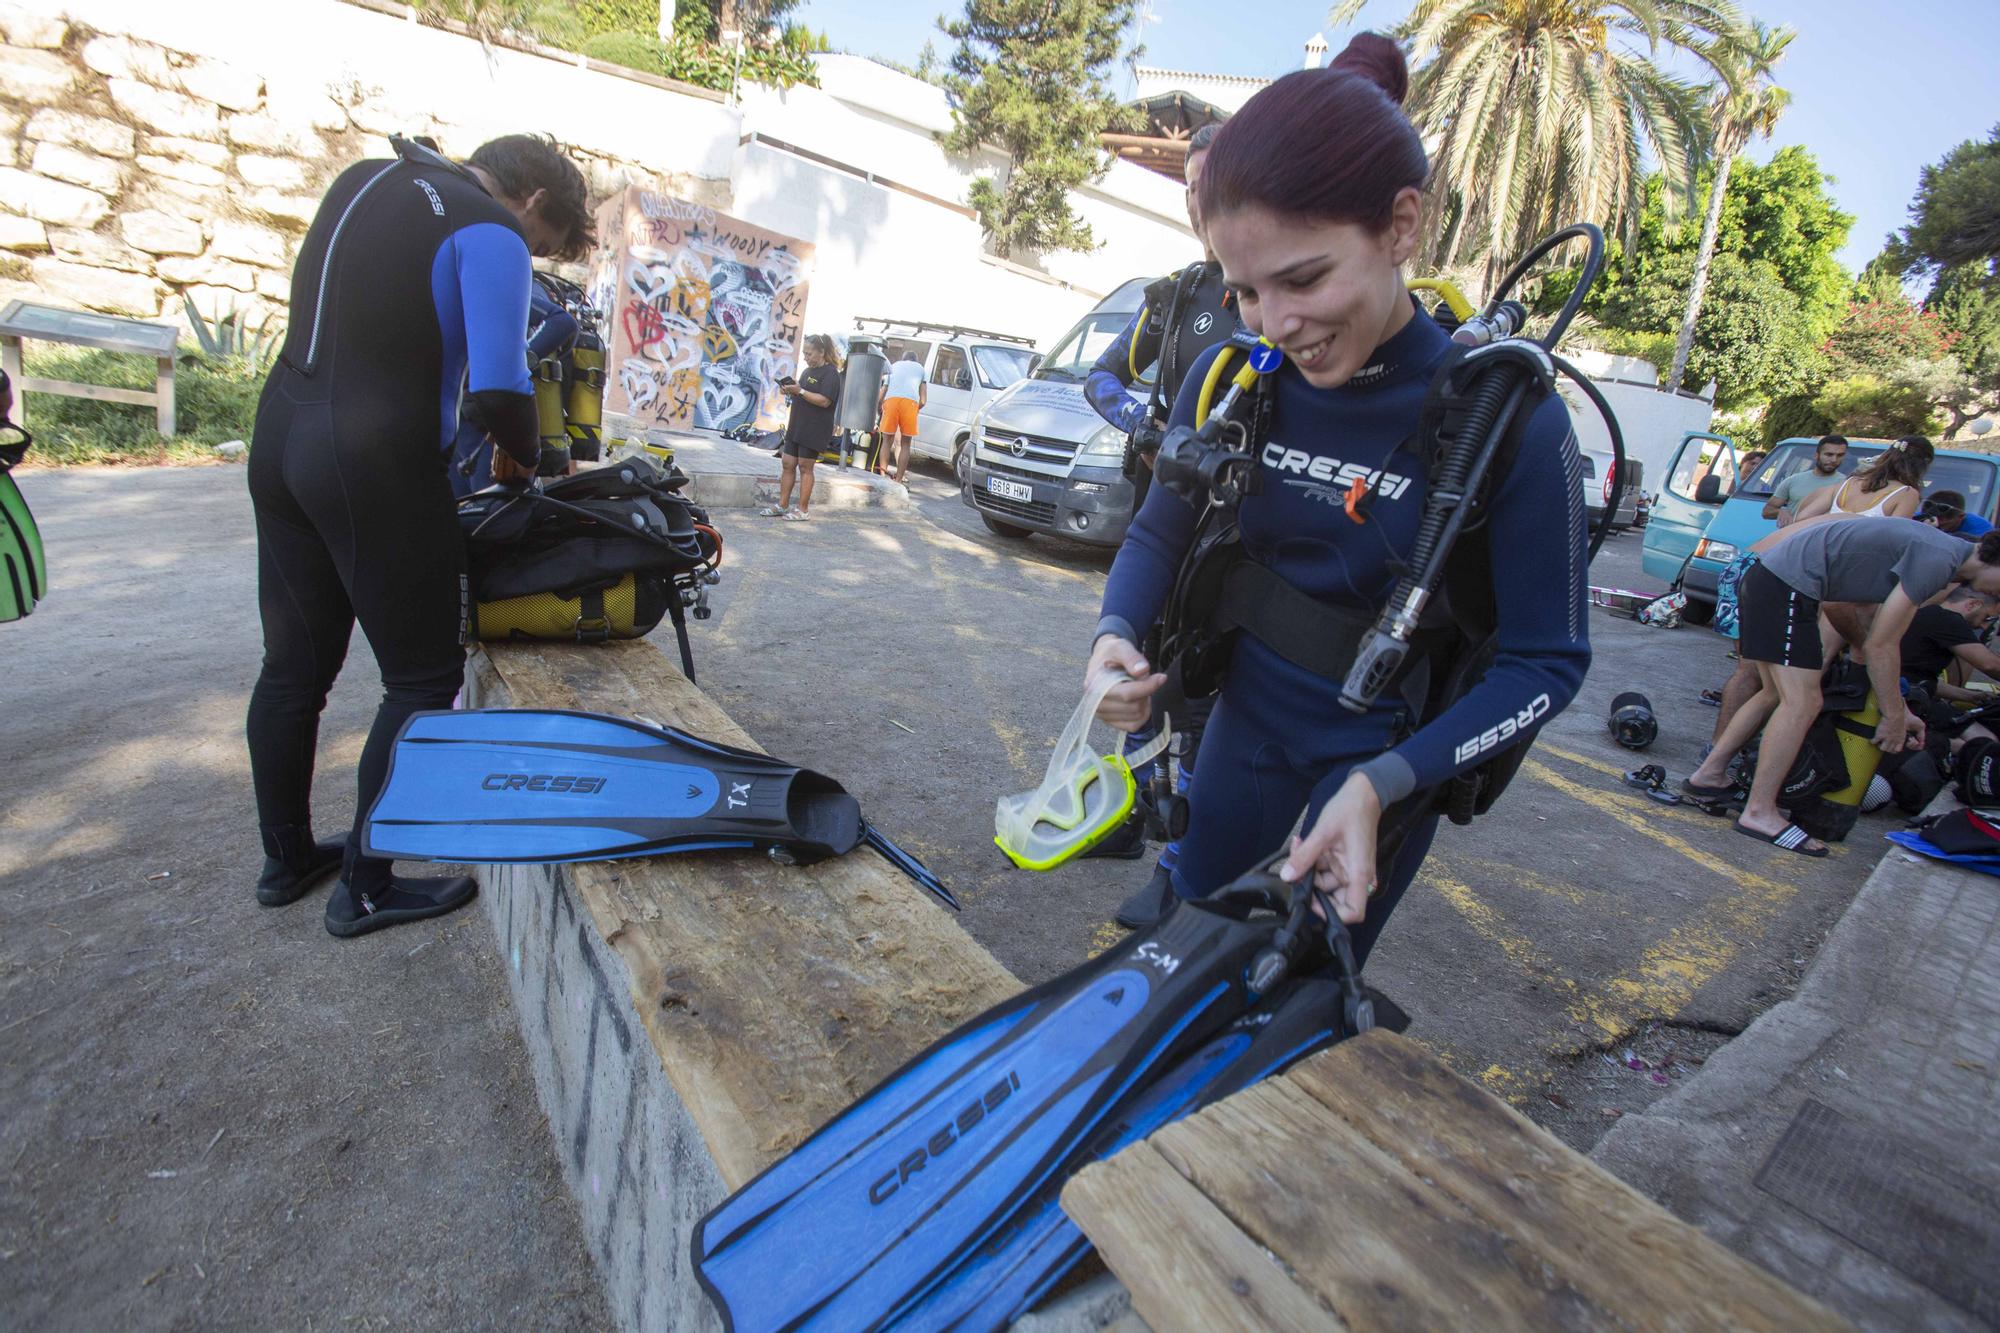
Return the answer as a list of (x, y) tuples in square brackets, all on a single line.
[(1539, 113), (1744, 104)]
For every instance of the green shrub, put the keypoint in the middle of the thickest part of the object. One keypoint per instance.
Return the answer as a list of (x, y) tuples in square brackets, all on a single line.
[(214, 401), (633, 50), (1794, 415), (608, 16)]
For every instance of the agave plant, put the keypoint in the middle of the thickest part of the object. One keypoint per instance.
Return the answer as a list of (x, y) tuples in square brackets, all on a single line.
[(232, 337)]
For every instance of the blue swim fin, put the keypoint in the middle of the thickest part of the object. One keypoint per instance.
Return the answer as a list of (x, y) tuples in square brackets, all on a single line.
[(885, 1202), (1005, 1278), (523, 785)]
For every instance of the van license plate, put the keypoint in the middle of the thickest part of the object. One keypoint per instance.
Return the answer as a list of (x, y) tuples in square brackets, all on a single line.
[(1010, 490)]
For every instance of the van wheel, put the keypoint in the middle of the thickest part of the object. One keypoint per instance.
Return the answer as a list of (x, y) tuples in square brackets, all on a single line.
[(1698, 613), (1007, 530)]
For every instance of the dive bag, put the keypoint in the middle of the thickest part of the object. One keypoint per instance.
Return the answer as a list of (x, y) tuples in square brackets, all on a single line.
[(24, 571), (604, 554)]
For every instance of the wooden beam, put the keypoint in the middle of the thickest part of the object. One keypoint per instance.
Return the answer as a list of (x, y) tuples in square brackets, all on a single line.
[(103, 393), (1166, 147)]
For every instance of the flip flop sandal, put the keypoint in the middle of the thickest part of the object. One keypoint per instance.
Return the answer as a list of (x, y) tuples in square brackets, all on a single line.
[(1791, 838), (1701, 793), (797, 516), (1652, 779), (771, 511), (1713, 698)]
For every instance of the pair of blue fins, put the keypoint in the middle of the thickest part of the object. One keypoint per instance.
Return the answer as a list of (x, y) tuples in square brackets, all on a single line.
[(932, 1202)]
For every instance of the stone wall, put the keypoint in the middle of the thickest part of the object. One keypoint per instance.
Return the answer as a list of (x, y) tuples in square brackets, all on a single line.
[(133, 175)]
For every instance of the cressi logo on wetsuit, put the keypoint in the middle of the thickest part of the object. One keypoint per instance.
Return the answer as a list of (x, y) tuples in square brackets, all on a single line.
[(1326, 478), (945, 1139)]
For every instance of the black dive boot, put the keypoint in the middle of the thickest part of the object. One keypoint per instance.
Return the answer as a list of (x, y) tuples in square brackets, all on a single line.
[(1151, 903), (293, 863), (369, 898)]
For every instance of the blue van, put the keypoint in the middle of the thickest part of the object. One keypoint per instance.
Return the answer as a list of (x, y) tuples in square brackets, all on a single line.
[(1706, 514)]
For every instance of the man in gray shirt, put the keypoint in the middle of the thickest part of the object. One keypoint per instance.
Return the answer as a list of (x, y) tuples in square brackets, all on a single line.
[(1894, 564), (1792, 491)]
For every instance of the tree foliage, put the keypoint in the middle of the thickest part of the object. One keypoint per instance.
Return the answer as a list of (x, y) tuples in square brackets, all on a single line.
[(1966, 302), (1776, 293), (1955, 217), (1030, 77), (1544, 112)]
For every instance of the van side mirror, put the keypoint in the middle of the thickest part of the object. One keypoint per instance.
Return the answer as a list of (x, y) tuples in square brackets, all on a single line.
[(1034, 363), (1708, 490), (965, 379)]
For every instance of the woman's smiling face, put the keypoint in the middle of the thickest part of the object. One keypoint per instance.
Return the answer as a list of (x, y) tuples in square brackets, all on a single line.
[(1328, 293)]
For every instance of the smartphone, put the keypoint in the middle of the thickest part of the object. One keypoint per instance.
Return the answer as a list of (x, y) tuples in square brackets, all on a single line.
[(783, 380)]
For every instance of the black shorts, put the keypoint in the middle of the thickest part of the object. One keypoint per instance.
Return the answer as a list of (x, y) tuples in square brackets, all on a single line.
[(1780, 624), (796, 449)]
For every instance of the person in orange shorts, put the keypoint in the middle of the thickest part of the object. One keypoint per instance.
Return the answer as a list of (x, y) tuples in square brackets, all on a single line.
[(902, 394)]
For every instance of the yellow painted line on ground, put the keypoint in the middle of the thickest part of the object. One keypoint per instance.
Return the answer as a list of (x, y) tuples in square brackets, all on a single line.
[(1511, 1084), (1475, 869), (1689, 957), (1588, 761)]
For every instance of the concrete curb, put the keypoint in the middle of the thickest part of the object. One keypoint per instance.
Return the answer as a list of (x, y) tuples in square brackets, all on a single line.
[(1873, 1031)]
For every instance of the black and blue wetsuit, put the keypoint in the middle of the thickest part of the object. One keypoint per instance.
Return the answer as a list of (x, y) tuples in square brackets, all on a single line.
[(412, 281), (1279, 740)]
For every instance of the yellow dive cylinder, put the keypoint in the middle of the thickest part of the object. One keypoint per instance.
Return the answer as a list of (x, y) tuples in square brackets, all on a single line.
[(547, 374), (585, 406), (1857, 750)]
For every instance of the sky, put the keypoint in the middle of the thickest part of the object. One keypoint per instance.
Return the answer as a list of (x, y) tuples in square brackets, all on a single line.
[(1878, 90)]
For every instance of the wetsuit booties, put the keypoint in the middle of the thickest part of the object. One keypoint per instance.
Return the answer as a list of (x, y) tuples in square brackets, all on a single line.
[(381, 900), (293, 863), (1149, 904)]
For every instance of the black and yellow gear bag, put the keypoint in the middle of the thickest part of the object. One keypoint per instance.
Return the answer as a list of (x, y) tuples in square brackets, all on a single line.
[(24, 570), (604, 554)]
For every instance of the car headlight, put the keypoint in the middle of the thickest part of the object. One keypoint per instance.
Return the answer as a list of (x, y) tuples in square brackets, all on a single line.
[(1720, 552), (1106, 441)]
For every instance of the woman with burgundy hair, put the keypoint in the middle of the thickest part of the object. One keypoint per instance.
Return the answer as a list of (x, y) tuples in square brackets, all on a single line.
[(1312, 200)]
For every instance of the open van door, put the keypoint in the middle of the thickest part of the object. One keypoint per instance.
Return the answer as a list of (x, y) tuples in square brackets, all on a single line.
[(1702, 474)]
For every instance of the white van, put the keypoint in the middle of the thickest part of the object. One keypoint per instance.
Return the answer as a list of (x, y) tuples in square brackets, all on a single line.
[(965, 369), (1043, 460)]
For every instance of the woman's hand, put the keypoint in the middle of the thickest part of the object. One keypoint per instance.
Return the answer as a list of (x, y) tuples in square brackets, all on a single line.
[(1338, 851), (1127, 706), (789, 390)]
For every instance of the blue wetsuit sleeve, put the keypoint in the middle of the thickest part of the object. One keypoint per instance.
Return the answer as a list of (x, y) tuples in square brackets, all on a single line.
[(1541, 557), (1149, 558), (555, 327), (495, 278), (1105, 386), (1537, 530)]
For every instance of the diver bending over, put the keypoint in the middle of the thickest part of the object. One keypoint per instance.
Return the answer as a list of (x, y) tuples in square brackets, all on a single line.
[(413, 279), (1313, 230)]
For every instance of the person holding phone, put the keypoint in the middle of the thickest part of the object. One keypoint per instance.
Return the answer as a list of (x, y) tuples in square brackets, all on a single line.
[(810, 429)]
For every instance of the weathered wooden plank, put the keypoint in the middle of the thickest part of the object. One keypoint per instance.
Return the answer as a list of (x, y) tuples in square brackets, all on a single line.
[(1372, 1239), (1185, 1262), (1622, 1250), (774, 995), (102, 393)]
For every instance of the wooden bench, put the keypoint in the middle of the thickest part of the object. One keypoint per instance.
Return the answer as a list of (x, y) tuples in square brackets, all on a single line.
[(1372, 1188), (21, 320), (693, 1017)]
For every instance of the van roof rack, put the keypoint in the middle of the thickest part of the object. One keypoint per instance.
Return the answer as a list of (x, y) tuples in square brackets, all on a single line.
[(949, 330)]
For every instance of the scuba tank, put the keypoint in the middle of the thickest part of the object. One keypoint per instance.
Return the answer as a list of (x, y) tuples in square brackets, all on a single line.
[(583, 405), (548, 376)]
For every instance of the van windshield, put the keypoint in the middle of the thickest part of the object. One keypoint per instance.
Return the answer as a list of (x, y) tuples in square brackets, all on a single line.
[(1079, 349), (1001, 366), (1971, 477)]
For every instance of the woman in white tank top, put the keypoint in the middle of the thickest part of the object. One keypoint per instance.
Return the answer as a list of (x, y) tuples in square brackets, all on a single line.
[(1889, 487)]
